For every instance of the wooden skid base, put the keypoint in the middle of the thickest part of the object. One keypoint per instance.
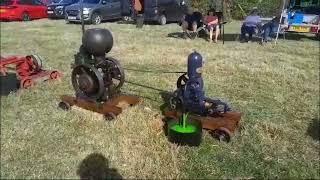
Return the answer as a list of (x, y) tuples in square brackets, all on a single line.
[(228, 121), (110, 109)]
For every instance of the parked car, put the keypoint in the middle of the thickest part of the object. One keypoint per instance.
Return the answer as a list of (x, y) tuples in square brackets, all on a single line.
[(94, 11), (57, 10), (162, 11), (24, 10)]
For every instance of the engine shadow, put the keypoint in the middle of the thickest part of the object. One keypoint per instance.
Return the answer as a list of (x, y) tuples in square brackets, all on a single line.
[(8, 84), (314, 128), (166, 99), (96, 166)]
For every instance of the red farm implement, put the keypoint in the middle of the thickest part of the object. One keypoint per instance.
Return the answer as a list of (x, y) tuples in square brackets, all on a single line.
[(28, 69)]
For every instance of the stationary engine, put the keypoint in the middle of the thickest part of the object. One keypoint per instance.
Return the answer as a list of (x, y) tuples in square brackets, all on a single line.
[(190, 96), (95, 76)]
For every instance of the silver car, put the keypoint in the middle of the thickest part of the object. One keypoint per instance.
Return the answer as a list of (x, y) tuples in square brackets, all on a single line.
[(94, 11)]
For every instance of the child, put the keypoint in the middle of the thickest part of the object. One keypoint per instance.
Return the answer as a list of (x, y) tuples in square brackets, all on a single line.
[(211, 21)]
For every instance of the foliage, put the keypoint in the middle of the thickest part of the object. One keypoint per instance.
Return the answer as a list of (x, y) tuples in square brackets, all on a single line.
[(238, 8)]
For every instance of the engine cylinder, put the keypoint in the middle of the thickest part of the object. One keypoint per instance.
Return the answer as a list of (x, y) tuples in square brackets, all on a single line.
[(194, 65), (97, 41)]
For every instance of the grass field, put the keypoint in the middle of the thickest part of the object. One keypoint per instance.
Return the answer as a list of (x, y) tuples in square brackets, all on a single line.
[(276, 87)]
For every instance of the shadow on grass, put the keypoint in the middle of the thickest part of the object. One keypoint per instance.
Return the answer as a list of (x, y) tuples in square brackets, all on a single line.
[(177, 35), (126, 22), (314, 128), (227, 37), (298, 37), (166, 99), (8, 84), (231, 37), (95, 166), (288, 36)]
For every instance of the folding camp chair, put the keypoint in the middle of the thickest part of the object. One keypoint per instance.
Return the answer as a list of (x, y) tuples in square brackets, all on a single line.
[(202, 30)]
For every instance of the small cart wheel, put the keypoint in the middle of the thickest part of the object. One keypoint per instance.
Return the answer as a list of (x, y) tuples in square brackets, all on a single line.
[(64, 106), (54, 75), (110, 116), (27, 83), (36, 62), (222, 134)]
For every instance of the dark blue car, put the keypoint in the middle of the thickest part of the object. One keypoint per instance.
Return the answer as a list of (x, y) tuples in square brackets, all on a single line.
[(57, 8)]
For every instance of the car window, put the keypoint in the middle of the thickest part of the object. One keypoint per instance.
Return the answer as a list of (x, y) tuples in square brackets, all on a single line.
[(112, 1), (6, 2), (37, 2), (66, 1), (91, 1), (25, 2)]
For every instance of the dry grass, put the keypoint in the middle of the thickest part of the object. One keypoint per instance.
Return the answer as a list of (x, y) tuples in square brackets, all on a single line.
[(276, 87)]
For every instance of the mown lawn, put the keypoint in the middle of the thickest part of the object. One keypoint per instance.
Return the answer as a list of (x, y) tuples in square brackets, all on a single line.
[(276, 87)]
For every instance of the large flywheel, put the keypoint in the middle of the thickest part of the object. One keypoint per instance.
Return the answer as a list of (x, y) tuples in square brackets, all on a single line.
[(115, 76), (88, 82), (99, 82)]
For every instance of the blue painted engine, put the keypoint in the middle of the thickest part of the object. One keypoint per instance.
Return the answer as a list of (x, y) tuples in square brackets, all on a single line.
[(190, 96)]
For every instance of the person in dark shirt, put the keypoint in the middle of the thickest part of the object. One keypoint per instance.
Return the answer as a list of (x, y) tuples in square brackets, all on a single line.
[(250, 24), (191, 21), (270, 29)]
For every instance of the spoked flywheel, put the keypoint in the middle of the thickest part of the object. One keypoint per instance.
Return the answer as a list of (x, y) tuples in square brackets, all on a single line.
[(88, 82), (114, 75), (182, 80)]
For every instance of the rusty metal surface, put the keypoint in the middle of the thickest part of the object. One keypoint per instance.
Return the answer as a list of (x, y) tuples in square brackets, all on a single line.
[(229, 120), (114, 105)]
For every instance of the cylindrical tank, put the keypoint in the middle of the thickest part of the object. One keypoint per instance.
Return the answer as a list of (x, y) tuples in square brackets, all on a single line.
[(97, 41), (194, 65)]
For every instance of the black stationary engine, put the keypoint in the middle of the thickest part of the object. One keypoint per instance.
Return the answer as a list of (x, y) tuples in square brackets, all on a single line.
[(95, 76)]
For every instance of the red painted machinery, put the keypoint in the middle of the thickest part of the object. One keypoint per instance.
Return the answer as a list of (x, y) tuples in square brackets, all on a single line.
[(28, 69)]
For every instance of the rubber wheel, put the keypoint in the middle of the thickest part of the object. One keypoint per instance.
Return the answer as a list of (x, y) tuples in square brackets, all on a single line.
[(27, 83), (139, 21), (54, 75), (222, 134), (109, 116), (183, 138), (126, 18), (25, 17), (162, 20), (96, 18), (64, 106), (37, 62)]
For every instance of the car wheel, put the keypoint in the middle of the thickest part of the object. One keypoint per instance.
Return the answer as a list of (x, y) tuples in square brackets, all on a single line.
[(126, 18), (25, 17), (96, 18), (162, 20)]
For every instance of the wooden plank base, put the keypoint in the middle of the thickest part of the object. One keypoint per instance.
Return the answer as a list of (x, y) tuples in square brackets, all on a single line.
[(110, 108)]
